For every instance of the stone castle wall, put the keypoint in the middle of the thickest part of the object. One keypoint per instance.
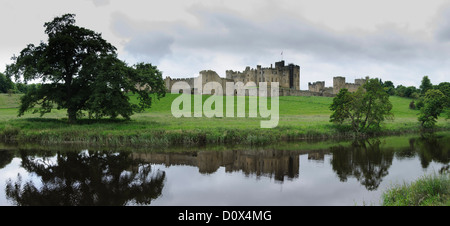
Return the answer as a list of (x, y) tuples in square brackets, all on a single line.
[(288, 77), (338, 84), (281, 73), (316, 86)]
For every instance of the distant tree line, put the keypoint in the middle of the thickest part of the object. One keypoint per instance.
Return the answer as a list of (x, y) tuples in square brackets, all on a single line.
[(8, 86), (414, 92), (431, 100)]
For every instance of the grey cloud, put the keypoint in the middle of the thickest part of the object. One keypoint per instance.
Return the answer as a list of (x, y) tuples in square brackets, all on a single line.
[(150, 46), (442, 27), (388, 45), (146, 42), (224, 31), (101, 2)]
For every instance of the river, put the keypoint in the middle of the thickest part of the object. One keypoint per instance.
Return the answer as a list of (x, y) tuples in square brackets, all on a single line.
[(320, 173)]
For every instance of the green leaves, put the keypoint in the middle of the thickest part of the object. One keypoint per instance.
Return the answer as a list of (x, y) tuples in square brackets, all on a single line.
[(5, 84), (434, 103), (365, 109), (425, 85), (81, 72)]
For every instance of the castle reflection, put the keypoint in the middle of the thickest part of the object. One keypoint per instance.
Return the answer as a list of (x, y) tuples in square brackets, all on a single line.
[(271, 163), (81, 177)]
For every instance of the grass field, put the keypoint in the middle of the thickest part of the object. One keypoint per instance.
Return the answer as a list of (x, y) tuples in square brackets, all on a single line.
[(300, 118)]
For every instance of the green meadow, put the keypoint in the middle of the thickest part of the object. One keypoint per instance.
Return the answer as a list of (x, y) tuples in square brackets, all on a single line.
[(300, 118)]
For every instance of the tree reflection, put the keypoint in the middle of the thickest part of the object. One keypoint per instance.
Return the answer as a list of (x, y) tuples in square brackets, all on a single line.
[(432, 148), (86, 178), (5, 158), (363, 160)]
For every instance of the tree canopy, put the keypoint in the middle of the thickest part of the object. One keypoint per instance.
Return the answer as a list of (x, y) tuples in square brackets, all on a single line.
[(364, 109), (425, 85), (5, 84), (80, 71), (434, 103)]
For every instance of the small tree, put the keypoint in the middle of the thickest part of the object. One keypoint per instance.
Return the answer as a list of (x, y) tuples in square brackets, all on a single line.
[(434, 102), (425, 85), (365, 109), (412, 105)]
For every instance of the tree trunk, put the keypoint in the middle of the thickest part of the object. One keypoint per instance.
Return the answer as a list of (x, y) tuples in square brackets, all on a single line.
[(72, 115)]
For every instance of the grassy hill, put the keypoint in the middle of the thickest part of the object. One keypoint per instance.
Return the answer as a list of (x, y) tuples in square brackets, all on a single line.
[(300, 118), (9, 101)]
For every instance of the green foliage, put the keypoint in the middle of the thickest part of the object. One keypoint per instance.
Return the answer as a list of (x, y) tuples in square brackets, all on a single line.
[(425, 85), (412, 105), (80, 71), (444, 87), (9, 132), (5, 84), (365, 109), (434, 101), (24, 88), (409, 91), (389, 87), (433, 190)]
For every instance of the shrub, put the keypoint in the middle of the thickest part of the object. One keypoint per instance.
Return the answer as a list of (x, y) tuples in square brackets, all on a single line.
[(412, 105)]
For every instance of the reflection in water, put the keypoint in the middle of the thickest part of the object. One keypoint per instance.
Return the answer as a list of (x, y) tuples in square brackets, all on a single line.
[(126, 178), (369, 163), (431, 149), (363, 160), (271, 163), (86, 178), (5, 157)]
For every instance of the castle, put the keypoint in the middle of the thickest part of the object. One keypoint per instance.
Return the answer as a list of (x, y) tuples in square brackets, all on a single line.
[(338, 84), (288, 77)]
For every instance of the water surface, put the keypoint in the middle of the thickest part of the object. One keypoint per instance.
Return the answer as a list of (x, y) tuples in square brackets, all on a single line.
[(285, 174)]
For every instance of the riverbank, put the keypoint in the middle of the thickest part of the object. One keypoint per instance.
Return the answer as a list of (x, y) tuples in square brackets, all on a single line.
[(301, 118), (429, 190)]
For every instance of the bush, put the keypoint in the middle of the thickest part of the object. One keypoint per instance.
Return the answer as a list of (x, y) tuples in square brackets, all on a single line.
[(412, 105), (420, 104), (426, 191)]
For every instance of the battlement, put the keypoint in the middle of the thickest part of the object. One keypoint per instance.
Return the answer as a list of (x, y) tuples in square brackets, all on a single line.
[(286, 75), (338, 84), (316, 86)]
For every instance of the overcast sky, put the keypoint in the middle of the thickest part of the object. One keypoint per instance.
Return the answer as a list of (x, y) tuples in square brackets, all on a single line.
[(400, 40)]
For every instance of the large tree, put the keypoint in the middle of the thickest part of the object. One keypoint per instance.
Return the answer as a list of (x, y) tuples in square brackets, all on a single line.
[(364, 109), (79, 71)]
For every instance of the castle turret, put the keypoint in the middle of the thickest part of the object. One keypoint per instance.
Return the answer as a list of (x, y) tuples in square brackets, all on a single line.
[(279, 64), (338, 84)]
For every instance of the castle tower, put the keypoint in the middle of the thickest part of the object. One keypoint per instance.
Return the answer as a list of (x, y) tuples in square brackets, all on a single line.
[(338, 84)]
